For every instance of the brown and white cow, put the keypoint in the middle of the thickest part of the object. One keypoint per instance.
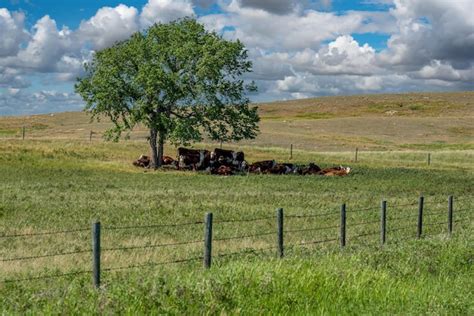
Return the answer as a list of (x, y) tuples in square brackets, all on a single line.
[(336, 171), (262, 166), (167, 160), (230, 158), (223, 171), (312, 168), (195, 159), (143, 161)]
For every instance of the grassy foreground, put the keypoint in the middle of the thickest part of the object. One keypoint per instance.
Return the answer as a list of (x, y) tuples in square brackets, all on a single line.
[(426, 277), (65, 184)]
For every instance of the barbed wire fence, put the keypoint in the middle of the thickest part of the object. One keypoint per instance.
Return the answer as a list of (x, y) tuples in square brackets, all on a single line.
[(383, 221)]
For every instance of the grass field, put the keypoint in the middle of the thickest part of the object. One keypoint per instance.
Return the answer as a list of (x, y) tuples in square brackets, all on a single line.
[(57, 181)]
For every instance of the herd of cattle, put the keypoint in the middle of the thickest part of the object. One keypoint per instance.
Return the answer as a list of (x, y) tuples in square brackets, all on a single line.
[(228, 162)]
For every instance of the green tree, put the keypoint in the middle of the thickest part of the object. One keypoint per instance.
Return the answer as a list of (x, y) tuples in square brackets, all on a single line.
[(177, 79)]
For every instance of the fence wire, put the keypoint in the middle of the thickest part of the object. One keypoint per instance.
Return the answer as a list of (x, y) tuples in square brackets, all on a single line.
[(152, 264), (245, 251), (312, 215), (364, 234), (45, 233), (43, 277), (45, 256), (151, 226), (314, 242), (243, 220), (244, 236), (311, 229), (124, 248)]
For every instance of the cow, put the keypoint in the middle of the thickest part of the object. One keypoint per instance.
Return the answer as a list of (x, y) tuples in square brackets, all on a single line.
[(228, 158), (278, 168), (143, 161), (167, 160), (336, 171), (223, 171), (261, 166), (291, 168), (312, 168), (195, 159)]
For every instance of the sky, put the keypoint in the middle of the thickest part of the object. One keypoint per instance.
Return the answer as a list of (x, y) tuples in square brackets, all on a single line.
[(299, 48)]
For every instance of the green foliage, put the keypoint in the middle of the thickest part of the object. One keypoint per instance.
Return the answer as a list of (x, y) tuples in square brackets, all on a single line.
[(178, 80)]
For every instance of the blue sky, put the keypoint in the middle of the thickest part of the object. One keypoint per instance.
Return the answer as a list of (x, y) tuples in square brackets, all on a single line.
[(300, 48)]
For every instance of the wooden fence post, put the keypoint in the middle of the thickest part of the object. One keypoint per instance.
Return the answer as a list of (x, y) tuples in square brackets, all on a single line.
[(90, 136), (356, 154), (23, 132), (343, 225), (383, 222), (280, 232), (96, 253), (450, 215), (420, 217), (291, 151), (429, 159), (207, 240)]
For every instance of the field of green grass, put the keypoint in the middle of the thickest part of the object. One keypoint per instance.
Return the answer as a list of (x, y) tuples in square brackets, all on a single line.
[(50, 183)]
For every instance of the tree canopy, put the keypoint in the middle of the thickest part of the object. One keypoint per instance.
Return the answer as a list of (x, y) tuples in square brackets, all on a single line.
[(179, 80)]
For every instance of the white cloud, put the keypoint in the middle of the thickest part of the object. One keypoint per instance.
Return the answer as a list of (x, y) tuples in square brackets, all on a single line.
[(431, 30), (297, 50), (109, 25), (13, 33), (38, 102), (45, 48), (295, 31), (165, 11)]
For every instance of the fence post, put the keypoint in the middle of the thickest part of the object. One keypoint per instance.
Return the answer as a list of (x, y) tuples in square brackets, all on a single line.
[(207, 240), (383, 222), (90, 136), (280, 231), (96, 253), (291, 151), (356, 153), (429, 159), (23, 132), (343, 225), (420, 217), (450, 215)]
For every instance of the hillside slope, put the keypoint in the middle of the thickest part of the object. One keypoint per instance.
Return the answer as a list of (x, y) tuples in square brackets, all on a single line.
[(371, 122)]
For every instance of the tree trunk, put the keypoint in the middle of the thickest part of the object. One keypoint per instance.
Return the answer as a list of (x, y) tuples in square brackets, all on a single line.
[(155, 159), (161, 142)]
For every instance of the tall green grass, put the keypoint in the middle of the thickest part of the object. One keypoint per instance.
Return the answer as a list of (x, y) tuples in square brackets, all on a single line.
[(61, 185)]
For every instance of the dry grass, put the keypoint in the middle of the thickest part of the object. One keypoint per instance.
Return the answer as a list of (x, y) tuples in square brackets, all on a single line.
[(433, 121)]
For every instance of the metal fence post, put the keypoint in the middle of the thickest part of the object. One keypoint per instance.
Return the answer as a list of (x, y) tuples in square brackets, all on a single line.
[(420, 217), (450, 214), (96, 253), (383, 222), (343, 225), (207, 240), (280, 231)]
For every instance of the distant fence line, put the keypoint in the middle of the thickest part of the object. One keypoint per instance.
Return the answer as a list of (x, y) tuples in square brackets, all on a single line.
[(356, 157), (279, 232)]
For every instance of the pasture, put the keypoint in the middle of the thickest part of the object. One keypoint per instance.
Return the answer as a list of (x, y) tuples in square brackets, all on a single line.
[(57, 181)]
